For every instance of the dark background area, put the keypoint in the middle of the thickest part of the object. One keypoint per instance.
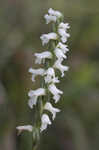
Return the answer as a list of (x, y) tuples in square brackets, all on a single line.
[(76, 127)]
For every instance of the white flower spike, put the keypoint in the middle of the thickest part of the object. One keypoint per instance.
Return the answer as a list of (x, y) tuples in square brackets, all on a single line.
[(48, 106), (45, 121), (51, 60)]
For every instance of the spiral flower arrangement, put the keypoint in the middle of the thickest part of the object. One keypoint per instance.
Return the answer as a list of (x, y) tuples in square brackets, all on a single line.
[(43, 98)]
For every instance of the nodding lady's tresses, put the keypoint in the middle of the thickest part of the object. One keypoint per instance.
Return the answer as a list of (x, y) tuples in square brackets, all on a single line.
[(51, 60)]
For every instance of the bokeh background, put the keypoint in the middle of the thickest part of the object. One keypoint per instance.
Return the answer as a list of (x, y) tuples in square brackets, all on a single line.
[(21, 24)]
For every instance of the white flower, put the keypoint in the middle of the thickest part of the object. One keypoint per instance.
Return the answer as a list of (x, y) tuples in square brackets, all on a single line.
[(64, 35), (54, 13), (64, 26), (45, 121), (55, 91), (26, 127), (48, 106), (49, 79), (40, 57), (32, 102), (36, 72), (50, 18), (50, 71), (33, 94), (59, 53), (60, 67), (63, 47), (46, 37), (62, 30), (50, 76)]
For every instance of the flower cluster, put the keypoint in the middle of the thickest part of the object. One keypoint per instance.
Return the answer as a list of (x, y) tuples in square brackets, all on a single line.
[(54, 57)]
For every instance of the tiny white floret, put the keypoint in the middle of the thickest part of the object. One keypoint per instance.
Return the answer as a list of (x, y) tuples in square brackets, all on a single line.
[(50, 76), (59, 53), (55, 91), (47, 37), (48, 106), (36, 72), (54, 13), (60, 67), (62, 31), (40, 57), (50, 18), (64, 35), (63, 47), (34, 94), (45, 121), (64, 26)]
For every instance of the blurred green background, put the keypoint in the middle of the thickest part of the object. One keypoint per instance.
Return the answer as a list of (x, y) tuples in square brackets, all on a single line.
[(21, 24)]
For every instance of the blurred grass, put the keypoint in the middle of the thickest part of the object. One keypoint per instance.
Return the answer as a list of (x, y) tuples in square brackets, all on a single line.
[(21, 24)]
